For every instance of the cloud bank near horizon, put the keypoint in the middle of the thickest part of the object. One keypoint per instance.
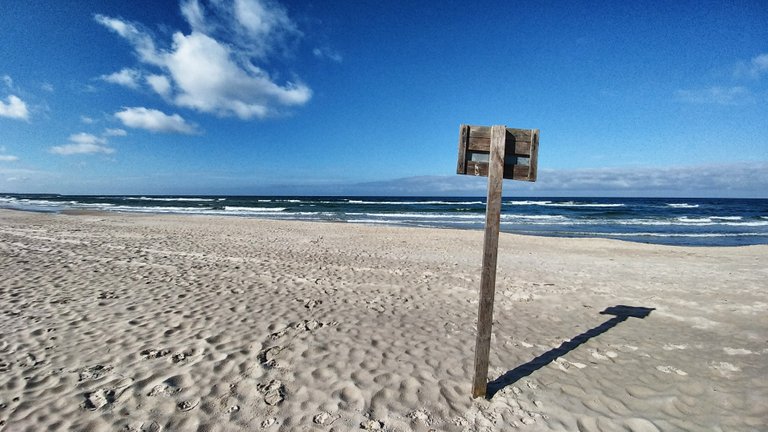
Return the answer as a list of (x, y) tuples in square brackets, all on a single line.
[(748, 179), (736, 180)]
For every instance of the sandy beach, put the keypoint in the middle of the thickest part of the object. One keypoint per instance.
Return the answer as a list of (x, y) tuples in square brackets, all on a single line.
[(113, 322)]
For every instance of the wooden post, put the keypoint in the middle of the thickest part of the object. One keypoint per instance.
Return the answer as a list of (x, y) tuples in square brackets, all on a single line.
[(490, 253)]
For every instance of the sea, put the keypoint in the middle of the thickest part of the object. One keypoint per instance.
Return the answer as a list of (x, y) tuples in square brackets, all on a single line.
[(668, 221)]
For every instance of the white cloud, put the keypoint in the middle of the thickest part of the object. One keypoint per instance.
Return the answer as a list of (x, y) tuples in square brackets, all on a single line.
[(47, 87), (8, 158), (212, 69), (86, 138), (8, 81), (115, 132), (194, 14), (141, 41), (160, 84), (87, 120), (747, 179), (154, 121), (210, 81), (82, 148), (327, 53), (717, 95), (255, 27), (15, 108), (83, 143), (754, 69), (126, 77)]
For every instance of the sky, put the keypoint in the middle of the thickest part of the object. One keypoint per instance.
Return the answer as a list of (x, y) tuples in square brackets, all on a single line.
[(267, 97)]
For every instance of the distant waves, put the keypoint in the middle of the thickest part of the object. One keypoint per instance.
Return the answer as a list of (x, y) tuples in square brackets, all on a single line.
[(701, 222)]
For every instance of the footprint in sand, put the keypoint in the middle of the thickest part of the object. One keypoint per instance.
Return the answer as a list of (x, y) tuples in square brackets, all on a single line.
[(189, 404), (325, 418), (149, 354), (298, 327), (152, 426), (274, 392), (232, 409), (105, 396), (372, 425), (269, 356), (671, 369), (179, 357), (93, 372), (421, 415), (154, 353), (163, 390)]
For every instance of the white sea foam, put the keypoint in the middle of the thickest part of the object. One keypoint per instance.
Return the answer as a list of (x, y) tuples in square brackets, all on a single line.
[(375, 221), (535, 217), (707, 221), (440, 216), (694, 235), (254, 209), (180, 199), (574, 204), (682, 205), (153, 209), (528, 202), (409, 202), (686, 219), (563, 204)]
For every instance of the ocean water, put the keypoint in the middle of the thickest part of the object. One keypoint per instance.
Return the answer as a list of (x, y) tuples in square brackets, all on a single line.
[(692, 222)]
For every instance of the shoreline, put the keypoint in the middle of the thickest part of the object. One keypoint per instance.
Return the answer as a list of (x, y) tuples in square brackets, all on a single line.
[(683, 222), (124, 321), (107, 213)]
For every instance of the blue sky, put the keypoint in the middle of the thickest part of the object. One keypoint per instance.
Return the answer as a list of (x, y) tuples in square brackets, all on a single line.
[(366, 97)]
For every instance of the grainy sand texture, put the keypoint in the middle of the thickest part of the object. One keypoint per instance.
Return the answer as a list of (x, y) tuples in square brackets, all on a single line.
[(116, 322)]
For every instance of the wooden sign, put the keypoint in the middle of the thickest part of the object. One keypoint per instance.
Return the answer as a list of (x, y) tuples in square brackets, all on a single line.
[(521, 148), (497, 152)]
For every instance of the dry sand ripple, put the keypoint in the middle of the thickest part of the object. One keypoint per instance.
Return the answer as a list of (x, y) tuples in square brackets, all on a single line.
[(150, 323)]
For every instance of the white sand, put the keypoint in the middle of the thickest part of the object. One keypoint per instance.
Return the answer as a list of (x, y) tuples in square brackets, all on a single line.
[(146, 323)]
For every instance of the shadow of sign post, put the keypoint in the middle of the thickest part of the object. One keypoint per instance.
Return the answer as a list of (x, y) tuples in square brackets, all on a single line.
[(620, 314), (497, 152)]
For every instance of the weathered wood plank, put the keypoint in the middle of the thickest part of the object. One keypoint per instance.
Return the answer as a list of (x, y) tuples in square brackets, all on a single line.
[(490, 254), (519, 143), (514, 172), (534, 156), (477, 168), (517, 172), (479, 144), (461, 167), (514, 146), (485, 132)]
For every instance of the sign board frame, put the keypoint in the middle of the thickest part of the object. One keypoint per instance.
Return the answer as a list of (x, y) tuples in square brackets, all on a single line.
[(521, 150), (497, 152)]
